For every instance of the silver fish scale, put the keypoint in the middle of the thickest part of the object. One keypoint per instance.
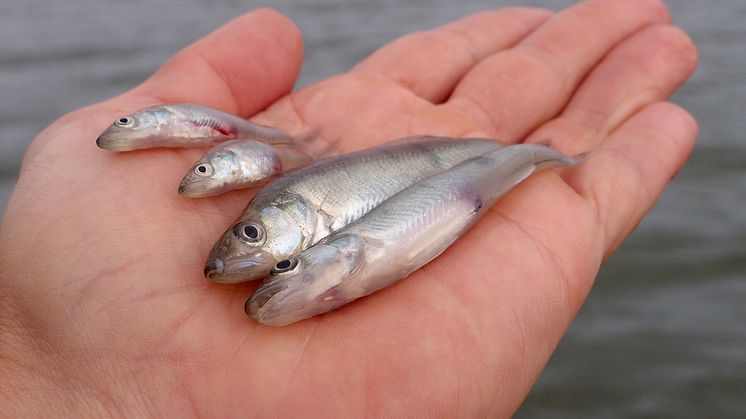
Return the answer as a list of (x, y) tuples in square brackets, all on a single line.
[(417, 224), (425, 205), (344, 188), (471, 184)]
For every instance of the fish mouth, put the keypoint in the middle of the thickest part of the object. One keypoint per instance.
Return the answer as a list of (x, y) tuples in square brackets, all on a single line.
[(184, 189), (282, 302), (268, 305), (105, 142), (190, 188), (220, 271), (195, 187), (109, 140), (213, 268), (259, 299), (232, 261)]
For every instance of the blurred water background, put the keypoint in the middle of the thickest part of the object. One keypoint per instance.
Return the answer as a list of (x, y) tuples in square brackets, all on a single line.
[(663, 332)]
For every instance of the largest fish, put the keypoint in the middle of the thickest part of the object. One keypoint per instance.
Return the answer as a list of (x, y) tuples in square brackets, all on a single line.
[(396, 238), (305, 205)]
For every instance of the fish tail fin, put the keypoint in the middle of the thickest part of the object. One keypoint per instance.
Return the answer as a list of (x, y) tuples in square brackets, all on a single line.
[(565, 160)]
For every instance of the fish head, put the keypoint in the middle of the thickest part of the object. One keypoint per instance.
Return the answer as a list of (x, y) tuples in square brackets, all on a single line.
[(214, 173), (141, 129), (252, 246), (308, 284)]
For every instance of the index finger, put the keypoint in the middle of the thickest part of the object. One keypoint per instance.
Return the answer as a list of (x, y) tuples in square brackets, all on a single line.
[(241, 68)]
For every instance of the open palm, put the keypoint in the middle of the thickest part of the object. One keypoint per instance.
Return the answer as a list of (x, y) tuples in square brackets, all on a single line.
[(104, 304)]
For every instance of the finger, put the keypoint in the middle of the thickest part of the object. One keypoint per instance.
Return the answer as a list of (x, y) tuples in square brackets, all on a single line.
[(644, 69), (627, 173), (512, 92), (430, 63), (241, 68)]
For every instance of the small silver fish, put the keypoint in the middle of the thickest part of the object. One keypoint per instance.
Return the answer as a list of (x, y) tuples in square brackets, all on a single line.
[(396, 238), (238, 164), (300, 208), (183, 125)]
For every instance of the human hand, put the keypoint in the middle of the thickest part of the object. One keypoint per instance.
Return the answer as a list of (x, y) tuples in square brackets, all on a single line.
[(104, 310)]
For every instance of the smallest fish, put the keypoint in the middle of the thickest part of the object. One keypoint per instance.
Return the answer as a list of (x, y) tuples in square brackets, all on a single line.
[(183, 125), (239, 164)]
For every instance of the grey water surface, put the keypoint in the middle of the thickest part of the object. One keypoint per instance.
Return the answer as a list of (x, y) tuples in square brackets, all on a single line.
[(663, 332)]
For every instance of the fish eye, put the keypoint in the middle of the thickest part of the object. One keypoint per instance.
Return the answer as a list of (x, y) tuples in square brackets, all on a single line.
[(284, 266), (125, 121), (249, 232), (203, 170)]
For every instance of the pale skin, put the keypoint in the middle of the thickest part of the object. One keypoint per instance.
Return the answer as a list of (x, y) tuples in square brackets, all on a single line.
[(104, 310)]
